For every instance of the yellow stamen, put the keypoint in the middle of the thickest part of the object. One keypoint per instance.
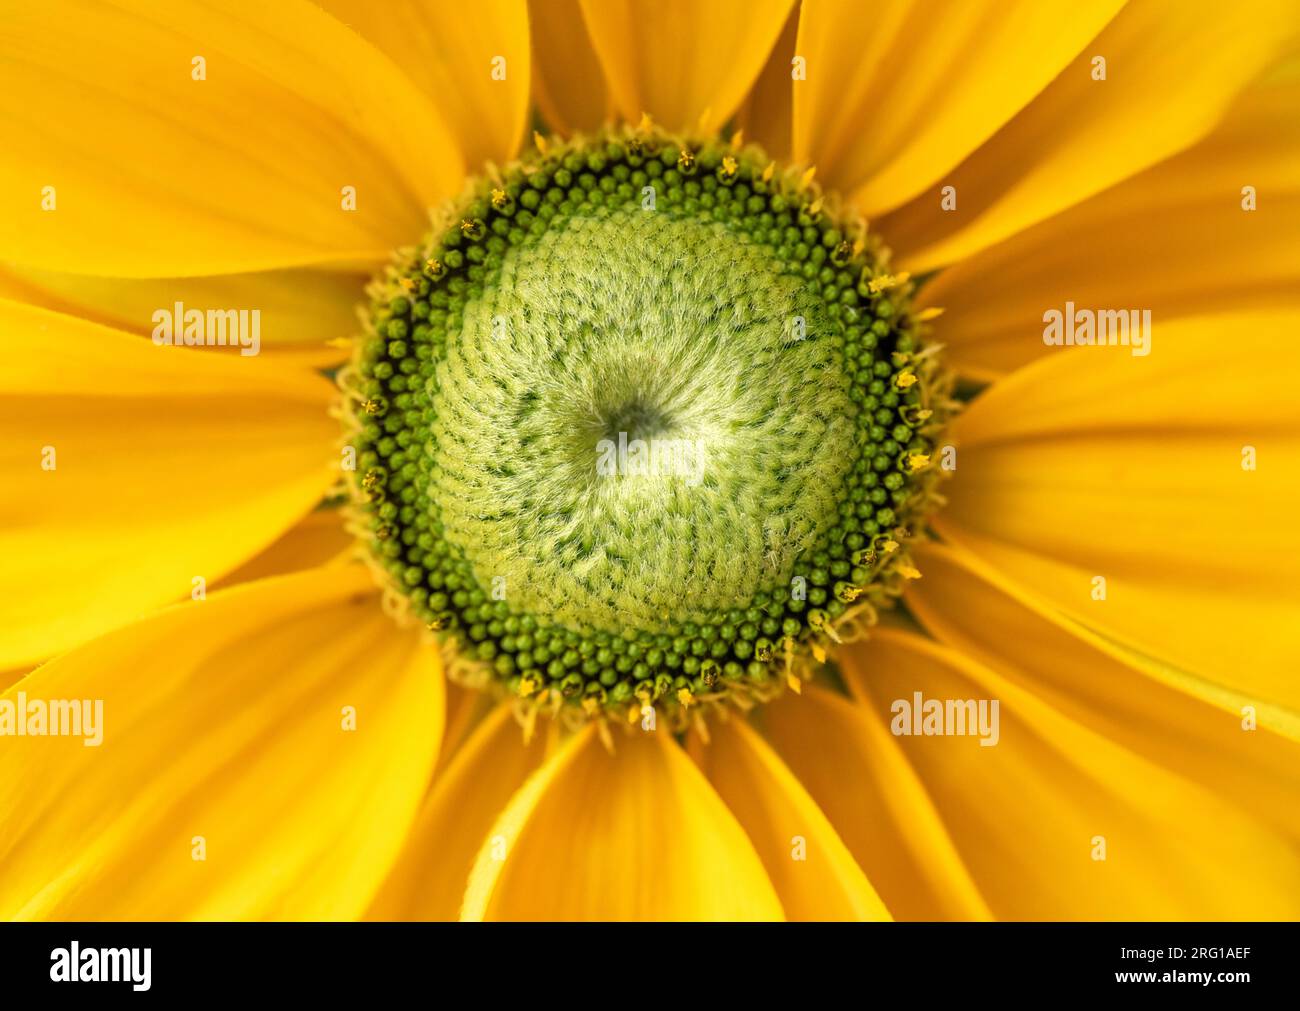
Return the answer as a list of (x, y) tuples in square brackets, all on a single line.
[(541, 143), (794, 684), (925, 315), (887, 281), (904, 380), (530, 724), (918, 460)]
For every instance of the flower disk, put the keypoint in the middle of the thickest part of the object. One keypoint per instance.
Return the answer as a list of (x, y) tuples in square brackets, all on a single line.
[(640, 420)]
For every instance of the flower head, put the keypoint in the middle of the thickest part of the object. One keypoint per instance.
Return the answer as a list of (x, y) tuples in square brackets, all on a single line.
[(762, 494)]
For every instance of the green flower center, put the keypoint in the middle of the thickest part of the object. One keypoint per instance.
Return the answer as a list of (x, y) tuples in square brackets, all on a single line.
[(643, 439), (640, 422)]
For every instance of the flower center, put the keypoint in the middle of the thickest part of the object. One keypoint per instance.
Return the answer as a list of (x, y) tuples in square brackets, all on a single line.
[(641, 422), (643, 434)]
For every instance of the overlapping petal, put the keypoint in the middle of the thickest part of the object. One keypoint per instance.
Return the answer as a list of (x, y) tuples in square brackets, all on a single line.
[(1056, 821), (811, 869), (687, 64), (1172, 72), (1212, 735), (134, 470), (226, 135), (637, 835), (472, 61), (861, 779), (568, 83), (1150, 498), (262, 755), (428, 880), (300, 312), (1213, 228), (899, 95)]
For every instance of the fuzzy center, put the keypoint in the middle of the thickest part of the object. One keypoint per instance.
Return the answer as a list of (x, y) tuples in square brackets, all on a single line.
[(640, 419)]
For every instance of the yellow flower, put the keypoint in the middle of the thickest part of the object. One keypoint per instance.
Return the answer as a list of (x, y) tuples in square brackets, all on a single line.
[(1114, 565)]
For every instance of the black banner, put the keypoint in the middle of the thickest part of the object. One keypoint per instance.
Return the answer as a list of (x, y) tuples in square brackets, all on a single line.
[(146, 961)]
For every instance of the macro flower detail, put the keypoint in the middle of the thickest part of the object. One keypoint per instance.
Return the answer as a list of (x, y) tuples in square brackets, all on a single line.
[(642, 422), (612, 460)]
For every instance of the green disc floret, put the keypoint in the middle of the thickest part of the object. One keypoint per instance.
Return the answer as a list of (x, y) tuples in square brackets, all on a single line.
[(641, 422)]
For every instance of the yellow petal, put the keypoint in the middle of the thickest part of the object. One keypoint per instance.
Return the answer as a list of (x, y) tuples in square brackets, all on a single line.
[(154, 173), (466, 709), (768, 111), (646, 838), (131, 470), (860, 778), (1096, 465), (298, 310), (812, 870), (319, 538), (1172, 71), (895, 100), (1032, 813), (1168, 717), (224, 734), (568, 84), (1174, 239), (470, 60), (12, 676), (427, 881), (687, 64)]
